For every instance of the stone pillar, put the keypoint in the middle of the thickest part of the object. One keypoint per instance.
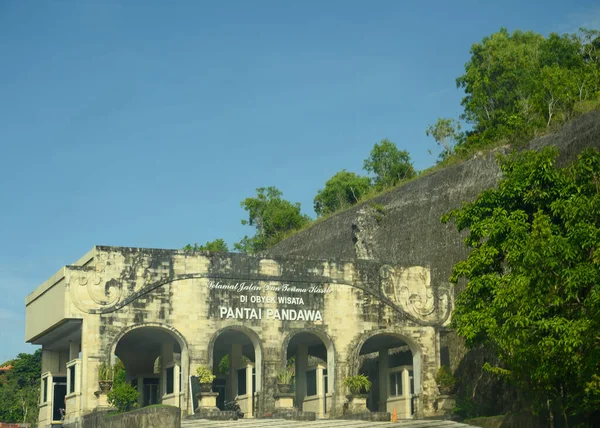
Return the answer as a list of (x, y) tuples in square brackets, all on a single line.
[(249, 391), (176, 380), (321, 390), (301, 367), (166, 357), (74, 348), (50, 361), (235, 360), (406, 392), (384, 374)]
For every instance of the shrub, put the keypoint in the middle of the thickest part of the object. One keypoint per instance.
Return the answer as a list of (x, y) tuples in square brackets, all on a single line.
[(444, 378), (104, 372), (204, 375), (357, 384), (123, 396), (285, 376)]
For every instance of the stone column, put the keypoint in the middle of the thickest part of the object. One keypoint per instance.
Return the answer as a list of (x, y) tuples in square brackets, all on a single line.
[(406, 392), (74, 348), (301, 367), (166, 357), (384, 374), (249, 391), (321, 390), (235, 360)]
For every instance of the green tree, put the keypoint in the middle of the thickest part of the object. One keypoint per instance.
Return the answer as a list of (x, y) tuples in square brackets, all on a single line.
[(388, 164), (445, 132), (342, 190), (533, 291), (216, 246), (272, 216), (518, 83), (20, 388)]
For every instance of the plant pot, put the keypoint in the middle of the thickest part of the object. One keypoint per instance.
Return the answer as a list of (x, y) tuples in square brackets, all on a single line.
[(105, 386), (284, 388), (206, 387), (445, 390)]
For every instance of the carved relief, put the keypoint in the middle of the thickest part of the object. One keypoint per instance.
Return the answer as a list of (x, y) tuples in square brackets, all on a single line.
[(410, 289)]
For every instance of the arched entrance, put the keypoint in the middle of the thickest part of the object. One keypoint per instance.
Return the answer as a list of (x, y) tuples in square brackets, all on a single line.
[(155, 362), (312, 356), (393, 365), (237, 363)]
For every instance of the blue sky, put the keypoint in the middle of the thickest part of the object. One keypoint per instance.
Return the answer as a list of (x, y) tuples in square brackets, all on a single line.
[(145, 123)]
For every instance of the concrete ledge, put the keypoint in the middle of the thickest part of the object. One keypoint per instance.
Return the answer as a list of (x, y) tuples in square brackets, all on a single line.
[(294, 415), (146, 417), (369, 416), (215, 415)]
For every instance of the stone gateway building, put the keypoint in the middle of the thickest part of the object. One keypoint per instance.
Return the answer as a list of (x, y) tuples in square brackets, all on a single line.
[(164, 313)]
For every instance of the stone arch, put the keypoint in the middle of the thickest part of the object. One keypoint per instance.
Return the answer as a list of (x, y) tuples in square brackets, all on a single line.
[(414, 347), (174, 332), (329, 346), (256, 343), (177, 337)]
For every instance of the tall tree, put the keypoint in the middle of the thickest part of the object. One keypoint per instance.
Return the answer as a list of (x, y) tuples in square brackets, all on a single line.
[(272, 216), (388, 164), (342, 190), (533, 291)]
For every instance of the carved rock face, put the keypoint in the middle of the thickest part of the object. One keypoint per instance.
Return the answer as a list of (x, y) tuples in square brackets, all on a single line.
[(410, 290)]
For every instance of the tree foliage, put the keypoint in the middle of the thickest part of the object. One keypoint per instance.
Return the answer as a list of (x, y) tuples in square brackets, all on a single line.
[(445, 132), (272, 216), (517, 83), (342, 190), (122, 396), (388, 164), (533, 291), (216, 246), (20, 388)]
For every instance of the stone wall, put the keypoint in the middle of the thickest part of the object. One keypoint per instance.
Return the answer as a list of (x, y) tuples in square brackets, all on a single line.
[(403, 228), (183, 294), (148, 417)]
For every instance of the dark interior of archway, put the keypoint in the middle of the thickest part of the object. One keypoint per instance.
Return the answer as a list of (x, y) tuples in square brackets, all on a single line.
[(223, 344), (379, 341), (316, 347), (139, 349), (398, 351), (399, 354)]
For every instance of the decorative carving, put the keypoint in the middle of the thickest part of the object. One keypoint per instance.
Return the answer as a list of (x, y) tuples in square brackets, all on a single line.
[(89, 291), (410, 289)]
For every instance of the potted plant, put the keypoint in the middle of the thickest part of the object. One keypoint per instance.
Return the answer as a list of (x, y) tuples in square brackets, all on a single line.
[(105, 378), (445, 380), (205, 377), (357, 384), (284, 381)]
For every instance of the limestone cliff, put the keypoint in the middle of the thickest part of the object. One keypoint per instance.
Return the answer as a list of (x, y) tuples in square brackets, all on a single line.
[(402, 228)]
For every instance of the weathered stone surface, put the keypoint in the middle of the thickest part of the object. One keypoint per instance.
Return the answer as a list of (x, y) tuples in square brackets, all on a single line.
[(402, 228), (149, 417), (186, 301)]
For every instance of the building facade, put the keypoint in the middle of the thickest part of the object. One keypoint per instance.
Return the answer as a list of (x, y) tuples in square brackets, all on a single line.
[(164, 313)]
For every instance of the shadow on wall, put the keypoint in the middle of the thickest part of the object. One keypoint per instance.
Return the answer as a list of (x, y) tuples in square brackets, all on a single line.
[(480, 393)]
